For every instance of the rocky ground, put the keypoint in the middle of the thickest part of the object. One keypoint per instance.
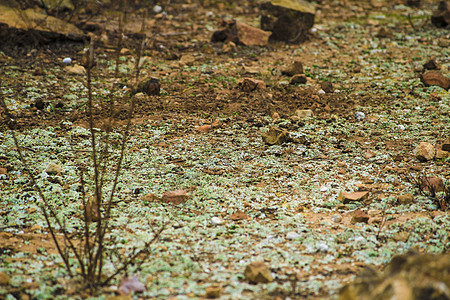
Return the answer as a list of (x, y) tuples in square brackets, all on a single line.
[(318, 180)]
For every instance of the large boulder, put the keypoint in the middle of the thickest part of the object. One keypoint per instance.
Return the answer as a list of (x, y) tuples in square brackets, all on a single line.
[(289, 20)]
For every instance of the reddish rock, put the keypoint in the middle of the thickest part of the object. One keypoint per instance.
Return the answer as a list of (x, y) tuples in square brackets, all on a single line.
[(250, 84), (240, 33), (360, 217), (175, 197), (430, 183), (355, 196), (203, 128), (3, 171), (435, 78), (424, 151)]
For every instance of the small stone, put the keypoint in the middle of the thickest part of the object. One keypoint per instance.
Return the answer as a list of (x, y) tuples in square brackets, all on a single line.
[(240, 33), (53, 169), (440, 154), (4, 279), (383, 33), (157, 9), (175, 197), (238, 215), (405, 198), (401, 127), (360, 216), (75, 70), (435, 78), (324, 189), (446, 145), (327, 86), (302, 114), (424, 151), (258, 272), (322, 247), (67, 61), (275, 116), (337, 218), (298, 79), (431, 183), (213, 291), (3, 171), (203, 128), (359, 116), (295, 68), (149, 86), (275, 136), (292, 235), (369, 154), (431, 65), (216, 221), (150, 198), (345, 197), (229, 47), (250, 84)]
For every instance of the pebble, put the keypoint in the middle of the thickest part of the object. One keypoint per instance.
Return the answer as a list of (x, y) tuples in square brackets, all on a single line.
[(67, 61), (216, 221), (337, 218), (401, 127), (405, 198), (53, 169), (292, 235), (359, 116), (324, 189), (157, 9), (322, 247), (424, 151)]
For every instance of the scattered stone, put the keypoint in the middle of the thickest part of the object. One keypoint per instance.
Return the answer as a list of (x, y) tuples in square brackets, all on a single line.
[(292, 235), (301, 114), (275, 136), (405, 198), (435, 78), (240, 33), (369, 154), (39, 104), (258, 272), (31, 24), (75, 70), (289, 20), (345, 197), (229, 47), (149, 86), (431, 65), (294, 69), (213, 291), (3, 171), (424, 152), (360, 216), (175, 197), (441, 154), (401, 127), (298, 79), (444, 42), (53, 169), (327, 86), (322, 247), (446, 144), (216, 221), (337, 218), (150, 198), (203, 128), (359, 116), (383, 33), (432, 183), (250, 84), (441, 16), (239, 215), (157, 9), (67, 61), (411, 276), (4, 279), (401, 236)]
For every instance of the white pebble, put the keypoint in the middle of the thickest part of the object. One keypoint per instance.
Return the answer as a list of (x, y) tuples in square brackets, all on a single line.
[(292, 235), (401, 127), (322, 247), (157, 9), (216, 221), (359, 115), (324, 189), (337, 218), (360, 239), (321, 92), (67, 61)]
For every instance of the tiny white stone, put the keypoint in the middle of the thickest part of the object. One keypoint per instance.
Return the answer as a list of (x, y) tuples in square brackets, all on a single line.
[(321, 92), (67, 61), (292, 235), (401, 127), (144, 150), (337, 218), (337, 91), (360, 239), (322, 247), (324, 189), (359, 116), (157, 9), (216, 221)]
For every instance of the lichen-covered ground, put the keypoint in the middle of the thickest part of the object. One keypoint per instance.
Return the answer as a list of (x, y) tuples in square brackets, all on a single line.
[(279, 204)]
